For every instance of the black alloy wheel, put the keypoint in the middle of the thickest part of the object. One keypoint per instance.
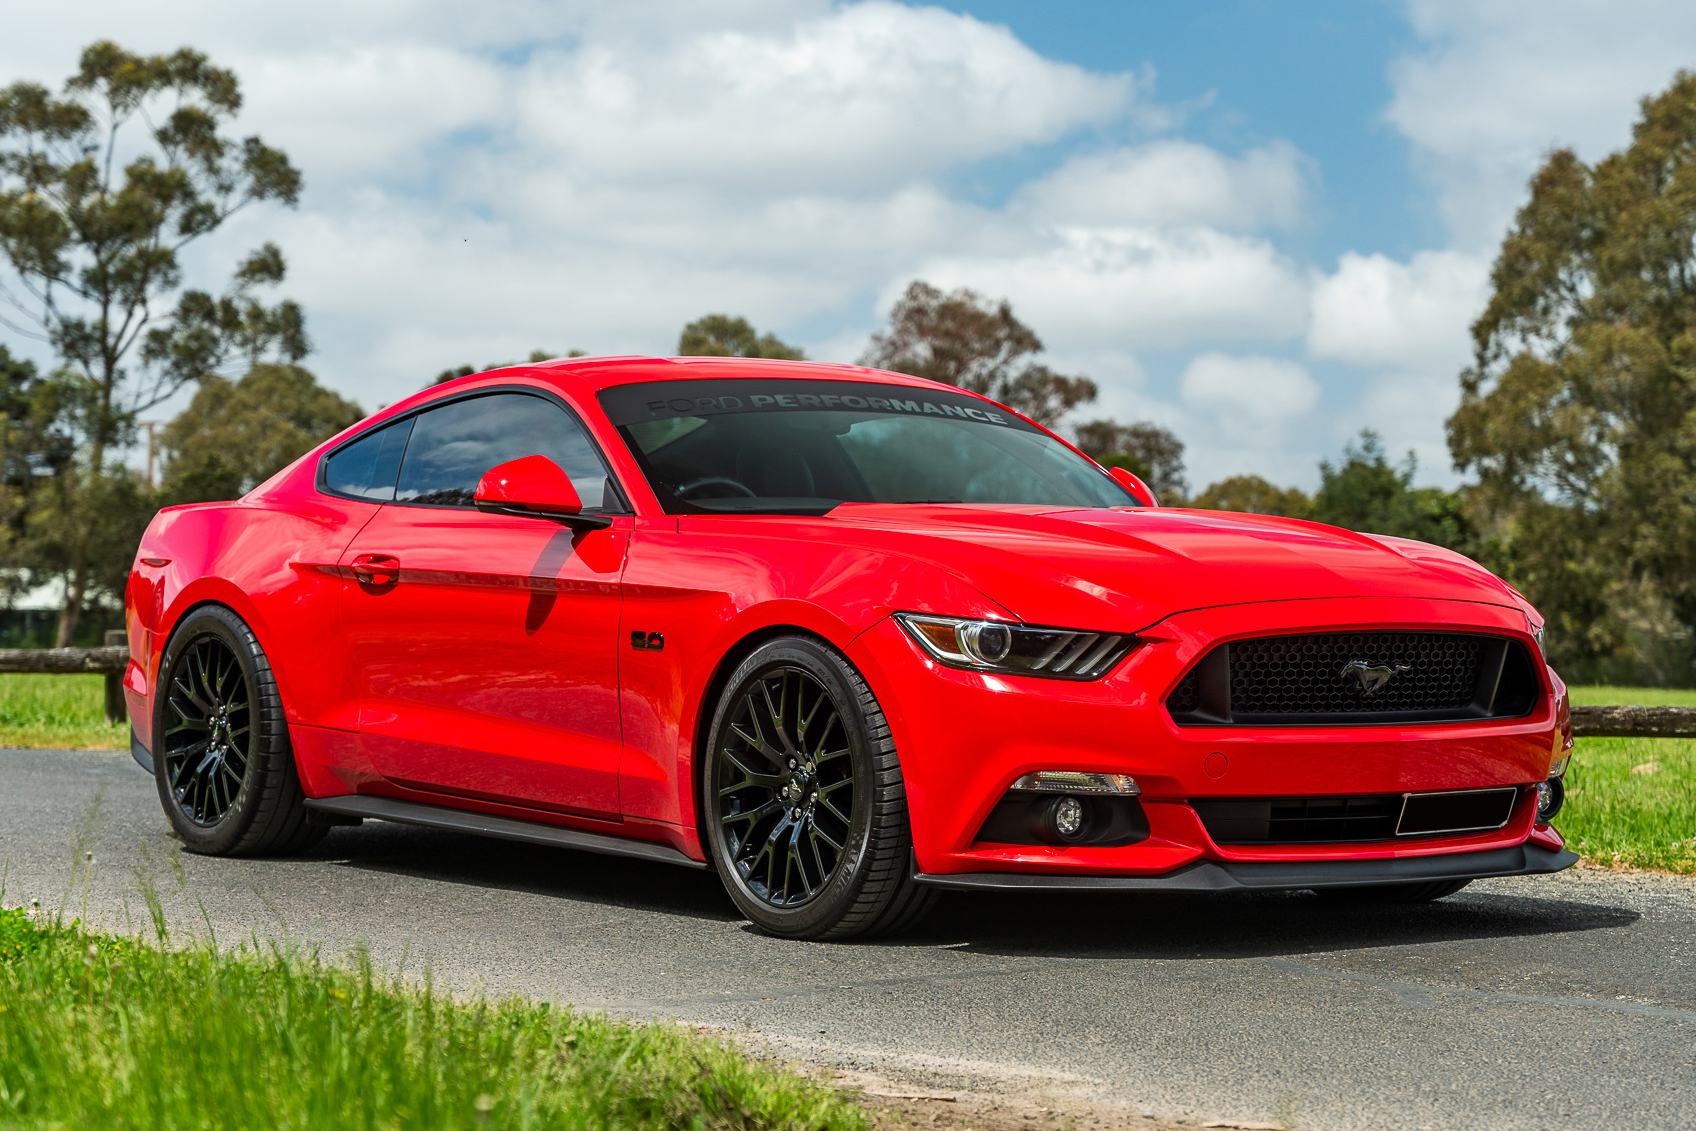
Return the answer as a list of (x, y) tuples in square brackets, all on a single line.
[(208, 731), (785, 787), (802, 802), (221, 754)]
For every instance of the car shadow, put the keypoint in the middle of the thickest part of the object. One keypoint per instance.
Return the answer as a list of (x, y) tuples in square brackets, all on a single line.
[(1240, 924), (1105, 926), (485, 862)]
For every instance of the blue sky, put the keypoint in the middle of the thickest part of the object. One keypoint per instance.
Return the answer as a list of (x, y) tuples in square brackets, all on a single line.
[(1263, 225)]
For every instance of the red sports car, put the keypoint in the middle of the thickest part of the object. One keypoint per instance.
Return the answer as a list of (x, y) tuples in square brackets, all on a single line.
[(845, 637)]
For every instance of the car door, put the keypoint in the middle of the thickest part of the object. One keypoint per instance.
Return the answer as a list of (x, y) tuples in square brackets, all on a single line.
[(484, 646)]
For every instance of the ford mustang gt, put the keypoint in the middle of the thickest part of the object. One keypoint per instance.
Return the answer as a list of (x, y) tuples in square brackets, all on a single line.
[(847, 638)]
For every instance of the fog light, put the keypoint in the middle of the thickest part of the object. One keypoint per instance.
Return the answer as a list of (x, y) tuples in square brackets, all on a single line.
[(1551, 794), (1077, 781), (1067, 817)]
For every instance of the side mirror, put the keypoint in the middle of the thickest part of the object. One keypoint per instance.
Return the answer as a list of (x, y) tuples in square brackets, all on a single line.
[(534, 487), (1138, 489)]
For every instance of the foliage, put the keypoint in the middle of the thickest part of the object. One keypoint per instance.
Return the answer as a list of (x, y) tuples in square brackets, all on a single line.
[(94, 250), (1148, 451), (234, 436), (1365, 493), (468, 370), (722, 335), (1250, 494), (53, 710), (1578, 413), (102, 1032), (961, 338), (34, 447)]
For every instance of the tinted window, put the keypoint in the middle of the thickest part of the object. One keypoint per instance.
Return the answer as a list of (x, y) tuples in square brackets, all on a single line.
[(453, 446), (802, 447), (367, 467)]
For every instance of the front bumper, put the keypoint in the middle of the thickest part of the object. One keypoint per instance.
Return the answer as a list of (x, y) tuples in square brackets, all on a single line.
[(1233, 875), (964, 737)]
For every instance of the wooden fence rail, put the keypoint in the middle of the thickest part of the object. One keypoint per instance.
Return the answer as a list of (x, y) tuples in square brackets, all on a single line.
[(1587, 722), (108, 661)]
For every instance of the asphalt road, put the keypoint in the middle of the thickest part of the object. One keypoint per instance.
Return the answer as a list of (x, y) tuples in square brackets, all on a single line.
[(1557, 1002)]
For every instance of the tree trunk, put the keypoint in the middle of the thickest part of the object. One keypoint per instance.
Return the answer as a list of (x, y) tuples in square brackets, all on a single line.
[(75, 582)]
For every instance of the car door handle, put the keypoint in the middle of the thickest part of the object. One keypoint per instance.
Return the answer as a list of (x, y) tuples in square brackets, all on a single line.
[(376, 569)]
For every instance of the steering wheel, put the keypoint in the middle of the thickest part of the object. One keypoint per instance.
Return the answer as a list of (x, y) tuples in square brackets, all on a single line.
[(735, 488)]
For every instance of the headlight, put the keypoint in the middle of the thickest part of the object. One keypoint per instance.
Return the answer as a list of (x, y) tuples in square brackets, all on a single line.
[(1017, 649), (1536, 629)]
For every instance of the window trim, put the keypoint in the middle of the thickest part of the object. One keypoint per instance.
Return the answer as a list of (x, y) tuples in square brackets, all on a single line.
[(620, 496)]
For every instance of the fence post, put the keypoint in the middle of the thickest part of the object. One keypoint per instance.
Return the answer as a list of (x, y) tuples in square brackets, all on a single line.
[(115, 709)]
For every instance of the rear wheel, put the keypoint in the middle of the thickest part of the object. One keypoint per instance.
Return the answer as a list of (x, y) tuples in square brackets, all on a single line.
[(222, 760), (1394, 893), (803, 801)]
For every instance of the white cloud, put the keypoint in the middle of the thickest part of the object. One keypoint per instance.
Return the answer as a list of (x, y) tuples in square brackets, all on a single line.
[(1375, 312), (370, 111), (1498, 85), (873, 94), (1172, 182), (1139, 288), (1249, 396)]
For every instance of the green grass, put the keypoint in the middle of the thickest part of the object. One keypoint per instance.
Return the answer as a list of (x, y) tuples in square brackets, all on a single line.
[(1636, 696), (1645, 819), (100, 1032), (57, 710)]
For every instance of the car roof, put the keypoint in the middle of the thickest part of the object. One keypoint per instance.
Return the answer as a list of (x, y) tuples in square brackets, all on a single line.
[(589, 375)]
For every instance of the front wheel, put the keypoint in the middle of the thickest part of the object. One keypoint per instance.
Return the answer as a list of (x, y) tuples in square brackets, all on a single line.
[(221, 758), (802, 800)]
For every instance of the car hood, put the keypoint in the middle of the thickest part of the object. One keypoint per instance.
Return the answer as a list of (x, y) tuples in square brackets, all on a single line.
[(1130, 568)]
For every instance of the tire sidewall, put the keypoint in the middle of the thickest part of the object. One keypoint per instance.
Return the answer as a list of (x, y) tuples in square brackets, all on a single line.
[(217, 622), (832, 672)]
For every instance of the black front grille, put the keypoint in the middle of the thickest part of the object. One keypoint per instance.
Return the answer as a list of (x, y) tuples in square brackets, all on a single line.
[(1299, 820), (1354, 820), (1357, 677)]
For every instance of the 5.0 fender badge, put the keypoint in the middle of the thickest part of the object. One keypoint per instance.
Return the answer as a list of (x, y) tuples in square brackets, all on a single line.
[(1371, 677)]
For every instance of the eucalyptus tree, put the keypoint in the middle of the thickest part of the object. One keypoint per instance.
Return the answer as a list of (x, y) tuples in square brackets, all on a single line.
[(102, 187), (1578, 414), (962, 338)]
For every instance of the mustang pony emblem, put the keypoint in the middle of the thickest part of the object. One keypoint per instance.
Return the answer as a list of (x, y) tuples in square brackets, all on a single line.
[(1372, 677)]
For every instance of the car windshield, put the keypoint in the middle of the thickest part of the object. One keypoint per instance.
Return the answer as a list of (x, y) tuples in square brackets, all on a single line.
[(755, 446)]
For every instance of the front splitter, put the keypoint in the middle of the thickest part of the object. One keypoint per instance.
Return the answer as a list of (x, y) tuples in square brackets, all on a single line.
[(1229, 875)]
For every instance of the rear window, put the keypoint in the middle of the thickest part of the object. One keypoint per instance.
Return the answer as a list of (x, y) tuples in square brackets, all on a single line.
[(366, 468)]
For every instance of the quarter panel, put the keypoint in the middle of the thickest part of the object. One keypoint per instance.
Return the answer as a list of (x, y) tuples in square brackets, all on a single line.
[(275, 565)]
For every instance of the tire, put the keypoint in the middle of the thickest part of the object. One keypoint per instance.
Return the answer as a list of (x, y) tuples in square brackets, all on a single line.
[(1394, 893), (846, 865), (235, 792)]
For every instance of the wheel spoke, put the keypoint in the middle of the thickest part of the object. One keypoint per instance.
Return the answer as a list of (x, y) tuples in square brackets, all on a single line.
[(750, 775), (755, 815), (776, 718), (813, 841)]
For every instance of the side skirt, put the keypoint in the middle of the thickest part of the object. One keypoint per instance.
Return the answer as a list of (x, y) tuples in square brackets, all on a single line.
[(503, 828), (1228, 875), (143, 757)]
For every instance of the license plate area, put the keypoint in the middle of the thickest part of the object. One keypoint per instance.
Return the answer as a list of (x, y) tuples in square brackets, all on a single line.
[(1456, 811)]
